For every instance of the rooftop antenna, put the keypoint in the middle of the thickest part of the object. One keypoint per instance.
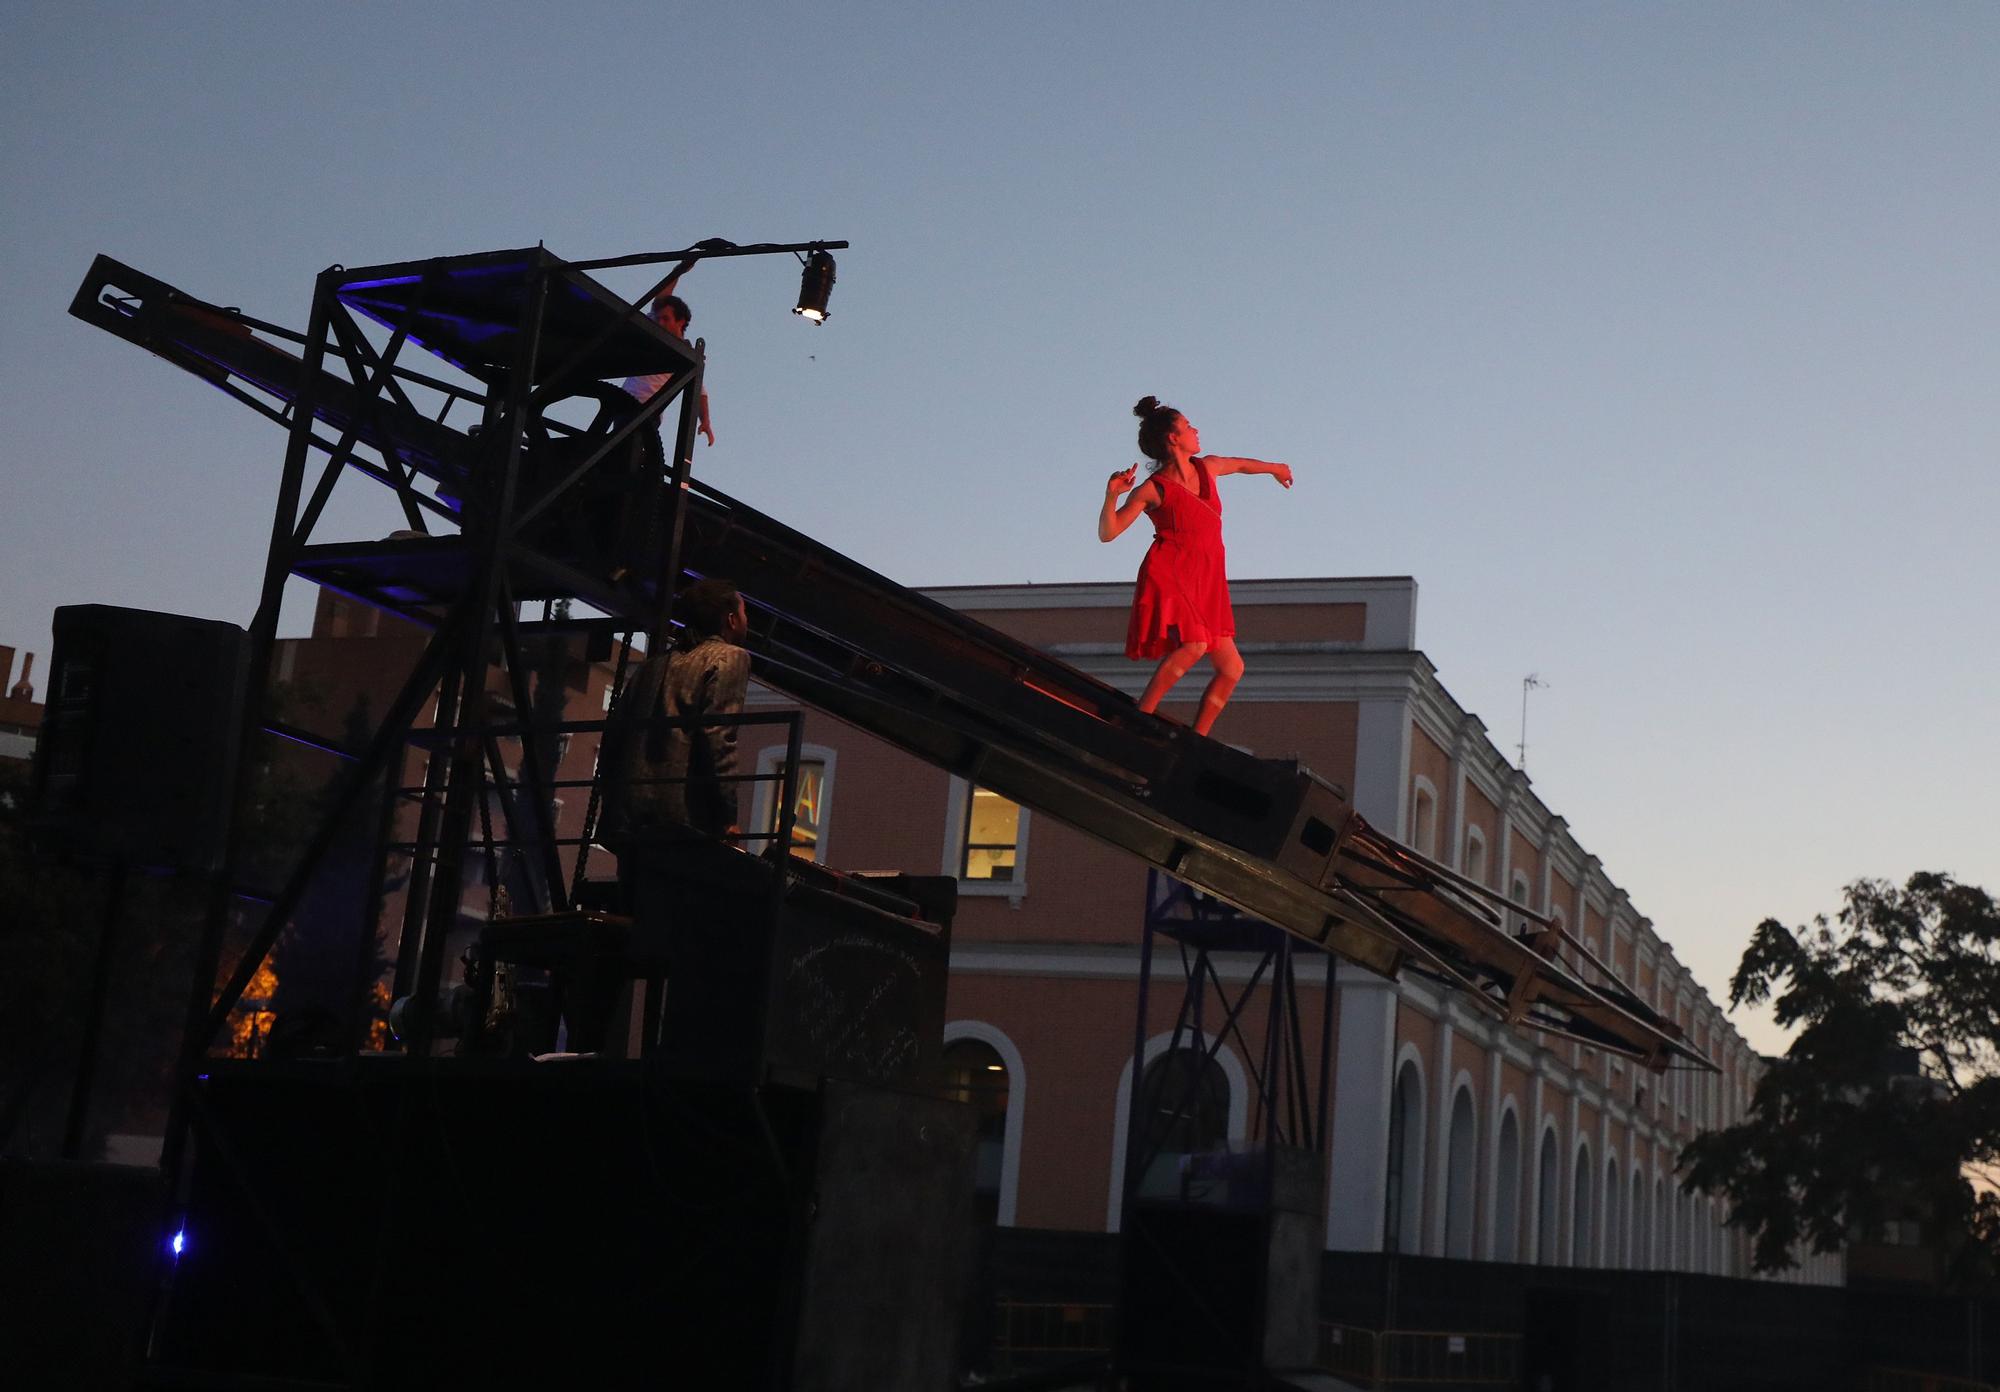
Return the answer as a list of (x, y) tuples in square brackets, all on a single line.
[(1528, 683)]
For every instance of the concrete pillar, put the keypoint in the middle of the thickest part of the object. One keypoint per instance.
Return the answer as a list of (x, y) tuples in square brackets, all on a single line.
[(1488, 1233), (1363, 1081), (1566, 1157), (1364, 1066), (1441, 1144)]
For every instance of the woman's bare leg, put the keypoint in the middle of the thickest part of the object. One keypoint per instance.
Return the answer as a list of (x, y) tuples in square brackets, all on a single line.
[(1172, 668), (1228, 664)]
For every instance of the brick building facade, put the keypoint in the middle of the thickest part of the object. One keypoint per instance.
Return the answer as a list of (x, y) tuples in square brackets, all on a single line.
[(20, 714), (1451, 1134)]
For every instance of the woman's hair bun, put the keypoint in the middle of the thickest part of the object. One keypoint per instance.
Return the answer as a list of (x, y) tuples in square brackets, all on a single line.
[(1147, 405)]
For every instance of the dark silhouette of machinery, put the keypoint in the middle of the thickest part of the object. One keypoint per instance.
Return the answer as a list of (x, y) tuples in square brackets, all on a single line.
[(526, 478)]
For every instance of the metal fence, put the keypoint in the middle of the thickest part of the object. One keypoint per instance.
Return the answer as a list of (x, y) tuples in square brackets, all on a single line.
[(1420, 1357), (1028, 1335), (1904, 1380)]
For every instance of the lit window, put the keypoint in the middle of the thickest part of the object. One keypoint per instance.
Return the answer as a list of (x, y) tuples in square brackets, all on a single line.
[(812, 800), (808, 810), (992, 838)]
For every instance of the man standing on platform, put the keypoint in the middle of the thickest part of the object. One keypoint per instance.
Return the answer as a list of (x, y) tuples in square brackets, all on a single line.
[(675, 772)]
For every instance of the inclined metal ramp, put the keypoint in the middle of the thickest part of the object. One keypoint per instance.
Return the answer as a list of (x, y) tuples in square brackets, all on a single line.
[(1266, 836)]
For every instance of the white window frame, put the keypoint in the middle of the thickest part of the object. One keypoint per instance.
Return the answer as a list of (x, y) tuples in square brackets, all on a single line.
[(1239, 1105), (769, 760), (1490, 1219), (1017, 1107), (957, 801), (1423, 791), (1411, 1231), (1448, 1170)]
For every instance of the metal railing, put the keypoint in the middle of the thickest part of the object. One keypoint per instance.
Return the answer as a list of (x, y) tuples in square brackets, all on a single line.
[(1419, 1357), (1906, 1380), (1027, 1334), (783, 779)]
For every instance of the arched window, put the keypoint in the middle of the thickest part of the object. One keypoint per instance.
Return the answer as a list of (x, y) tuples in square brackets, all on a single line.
[(1656, 1254), (1670, 1251), (1459, 1177), (1507, 1191), (1520, 895), (1473, 867), (1548, 1192), (1614, 1194), (1183, 1111), (1635, 1219), (1213, 1124), (975, 1073), (1582, 1232), (1423, 816), (1402, 1225)]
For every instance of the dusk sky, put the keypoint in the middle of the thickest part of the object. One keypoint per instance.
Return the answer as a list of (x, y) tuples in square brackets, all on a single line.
[(1660, 343)]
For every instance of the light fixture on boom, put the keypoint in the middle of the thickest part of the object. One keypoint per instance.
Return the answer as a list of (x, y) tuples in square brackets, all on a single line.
[(815, 285)]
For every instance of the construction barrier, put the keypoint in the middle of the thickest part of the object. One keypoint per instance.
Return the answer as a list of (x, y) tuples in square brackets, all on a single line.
[(1419, 1357)]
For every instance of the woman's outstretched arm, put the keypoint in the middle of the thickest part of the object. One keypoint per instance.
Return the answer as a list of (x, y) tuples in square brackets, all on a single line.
[(1220, 464)]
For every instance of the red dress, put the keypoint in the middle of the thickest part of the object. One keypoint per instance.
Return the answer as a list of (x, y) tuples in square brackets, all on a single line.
[(1182, 595)]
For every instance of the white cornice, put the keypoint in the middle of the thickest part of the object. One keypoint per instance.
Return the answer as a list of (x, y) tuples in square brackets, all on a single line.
[(1390, 599), (1081, 594), (1088, 594), (1468, 1020), (1469, 739), (1293, 673), (1104, 962), (1495, 1037), (1565, 855), (1438, 714), (1421, 996)]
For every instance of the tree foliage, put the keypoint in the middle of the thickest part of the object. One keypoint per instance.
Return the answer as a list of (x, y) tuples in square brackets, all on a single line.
[(1886, 1107)]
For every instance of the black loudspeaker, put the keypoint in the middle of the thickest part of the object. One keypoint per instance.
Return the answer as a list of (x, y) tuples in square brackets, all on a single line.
[(81, 1251), (1221, 1289), (408, 1225), (838, 981), (137, 753)]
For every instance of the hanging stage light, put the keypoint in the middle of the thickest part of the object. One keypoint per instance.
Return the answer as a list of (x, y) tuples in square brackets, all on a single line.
[(815, 285)]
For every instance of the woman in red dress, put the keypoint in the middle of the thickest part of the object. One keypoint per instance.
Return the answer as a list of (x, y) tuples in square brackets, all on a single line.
[(1180, 607)]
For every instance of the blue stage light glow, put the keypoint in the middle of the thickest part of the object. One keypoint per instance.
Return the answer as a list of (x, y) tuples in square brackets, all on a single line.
[(177, 1244)]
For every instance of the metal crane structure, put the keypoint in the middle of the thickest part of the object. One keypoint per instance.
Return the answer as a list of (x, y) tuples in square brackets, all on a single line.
[(514, 496), (528, 477)]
